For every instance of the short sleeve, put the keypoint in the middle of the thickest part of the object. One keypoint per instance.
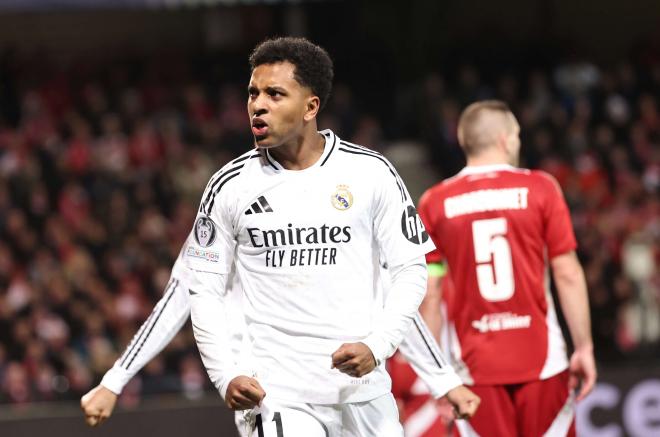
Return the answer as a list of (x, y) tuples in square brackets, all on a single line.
[(210, 247), (558, 230), (399, 231), (425, 213)]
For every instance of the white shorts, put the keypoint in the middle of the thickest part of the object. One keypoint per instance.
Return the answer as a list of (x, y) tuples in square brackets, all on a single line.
[(276, 418)]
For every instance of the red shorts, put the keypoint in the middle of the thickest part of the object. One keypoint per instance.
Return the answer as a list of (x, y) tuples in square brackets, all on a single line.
[(531, 409)]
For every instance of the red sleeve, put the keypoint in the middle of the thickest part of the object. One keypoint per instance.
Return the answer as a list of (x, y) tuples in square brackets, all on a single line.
[(426, 213), (558, 230)]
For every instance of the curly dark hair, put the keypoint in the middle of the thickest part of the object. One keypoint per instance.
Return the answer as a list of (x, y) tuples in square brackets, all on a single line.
[(313, 65)]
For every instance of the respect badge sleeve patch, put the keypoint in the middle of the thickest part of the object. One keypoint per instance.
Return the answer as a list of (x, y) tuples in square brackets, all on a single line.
[(206, 255)]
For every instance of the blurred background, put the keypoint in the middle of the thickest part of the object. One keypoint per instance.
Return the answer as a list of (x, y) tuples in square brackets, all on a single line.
[(114, 114)]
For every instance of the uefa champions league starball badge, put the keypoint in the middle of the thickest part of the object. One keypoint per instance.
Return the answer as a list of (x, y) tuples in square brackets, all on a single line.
[(205, 231), (342, 199)]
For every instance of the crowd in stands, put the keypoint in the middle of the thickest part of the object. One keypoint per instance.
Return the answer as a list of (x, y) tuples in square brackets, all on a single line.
[(102, 166)]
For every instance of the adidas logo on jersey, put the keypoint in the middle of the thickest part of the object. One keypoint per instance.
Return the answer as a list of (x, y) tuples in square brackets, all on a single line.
[(261, 205)]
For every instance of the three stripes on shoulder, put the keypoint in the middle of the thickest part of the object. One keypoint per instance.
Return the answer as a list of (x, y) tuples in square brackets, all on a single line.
[(261, 205)]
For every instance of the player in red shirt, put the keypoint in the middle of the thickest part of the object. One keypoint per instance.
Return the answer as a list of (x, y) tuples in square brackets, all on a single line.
[(499, 228)]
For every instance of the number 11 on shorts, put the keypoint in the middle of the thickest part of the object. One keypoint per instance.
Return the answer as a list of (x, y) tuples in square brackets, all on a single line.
[(278, 425)]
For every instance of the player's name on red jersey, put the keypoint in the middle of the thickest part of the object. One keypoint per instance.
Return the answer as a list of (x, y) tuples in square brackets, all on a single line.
[(499, 199)]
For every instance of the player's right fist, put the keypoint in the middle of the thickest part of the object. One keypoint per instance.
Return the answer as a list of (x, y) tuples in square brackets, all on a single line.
[(464, 401), (97, 404), (244, 393)]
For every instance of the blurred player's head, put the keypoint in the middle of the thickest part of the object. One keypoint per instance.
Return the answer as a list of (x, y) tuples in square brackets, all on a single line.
[(290, 83), (488, 132)]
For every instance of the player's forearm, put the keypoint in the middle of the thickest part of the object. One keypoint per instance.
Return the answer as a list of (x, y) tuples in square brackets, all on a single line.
[(573, 298), (431, 306), (420, 349), (166, 319), (401, 305), (208, 315)]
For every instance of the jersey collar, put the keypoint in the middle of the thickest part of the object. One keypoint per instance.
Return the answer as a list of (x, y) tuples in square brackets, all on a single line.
[(479, 169), (331, 141)]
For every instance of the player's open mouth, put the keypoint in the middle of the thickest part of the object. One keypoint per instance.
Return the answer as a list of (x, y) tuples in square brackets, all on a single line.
[(259, 127)]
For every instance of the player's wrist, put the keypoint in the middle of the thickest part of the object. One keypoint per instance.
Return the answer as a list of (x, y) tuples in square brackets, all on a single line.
[(584, 345), (587, 347), (377, 348), (376, 362), (228, 378), (442, 385), (112, 388), (115, 379)]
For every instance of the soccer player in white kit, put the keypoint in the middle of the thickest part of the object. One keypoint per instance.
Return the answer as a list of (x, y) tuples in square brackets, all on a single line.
[(318, 252), (172, 311), (304, 219)]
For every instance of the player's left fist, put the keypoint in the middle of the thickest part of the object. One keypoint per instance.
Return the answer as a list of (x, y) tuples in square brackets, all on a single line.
[(354, 359), (244, 393), (464, 401)]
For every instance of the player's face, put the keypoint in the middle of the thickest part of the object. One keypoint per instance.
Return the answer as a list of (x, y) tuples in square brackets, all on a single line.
[(278, 105)]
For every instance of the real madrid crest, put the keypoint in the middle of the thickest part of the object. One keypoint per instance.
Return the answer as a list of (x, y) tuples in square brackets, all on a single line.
[(342, 199), (205, 231)]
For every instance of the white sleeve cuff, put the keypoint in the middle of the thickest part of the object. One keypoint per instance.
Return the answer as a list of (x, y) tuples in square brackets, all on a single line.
[(379, 348), (441, 386), (115, 379)]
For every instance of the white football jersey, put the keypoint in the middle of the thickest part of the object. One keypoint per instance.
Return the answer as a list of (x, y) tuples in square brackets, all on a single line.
[(305, 246)]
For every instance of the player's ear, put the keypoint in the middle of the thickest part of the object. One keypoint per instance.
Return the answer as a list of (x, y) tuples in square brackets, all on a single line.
[(503, 142), (313, 106)]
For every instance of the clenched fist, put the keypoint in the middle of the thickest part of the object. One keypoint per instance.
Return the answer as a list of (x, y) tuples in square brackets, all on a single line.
[(464, 401), (244, 393), (354, 359), (97, 404)]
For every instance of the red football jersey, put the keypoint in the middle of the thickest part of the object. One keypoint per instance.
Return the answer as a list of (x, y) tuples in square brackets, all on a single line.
[(496, 226)]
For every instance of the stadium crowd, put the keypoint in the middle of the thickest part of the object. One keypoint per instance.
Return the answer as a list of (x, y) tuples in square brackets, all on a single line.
[(102, 165)]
